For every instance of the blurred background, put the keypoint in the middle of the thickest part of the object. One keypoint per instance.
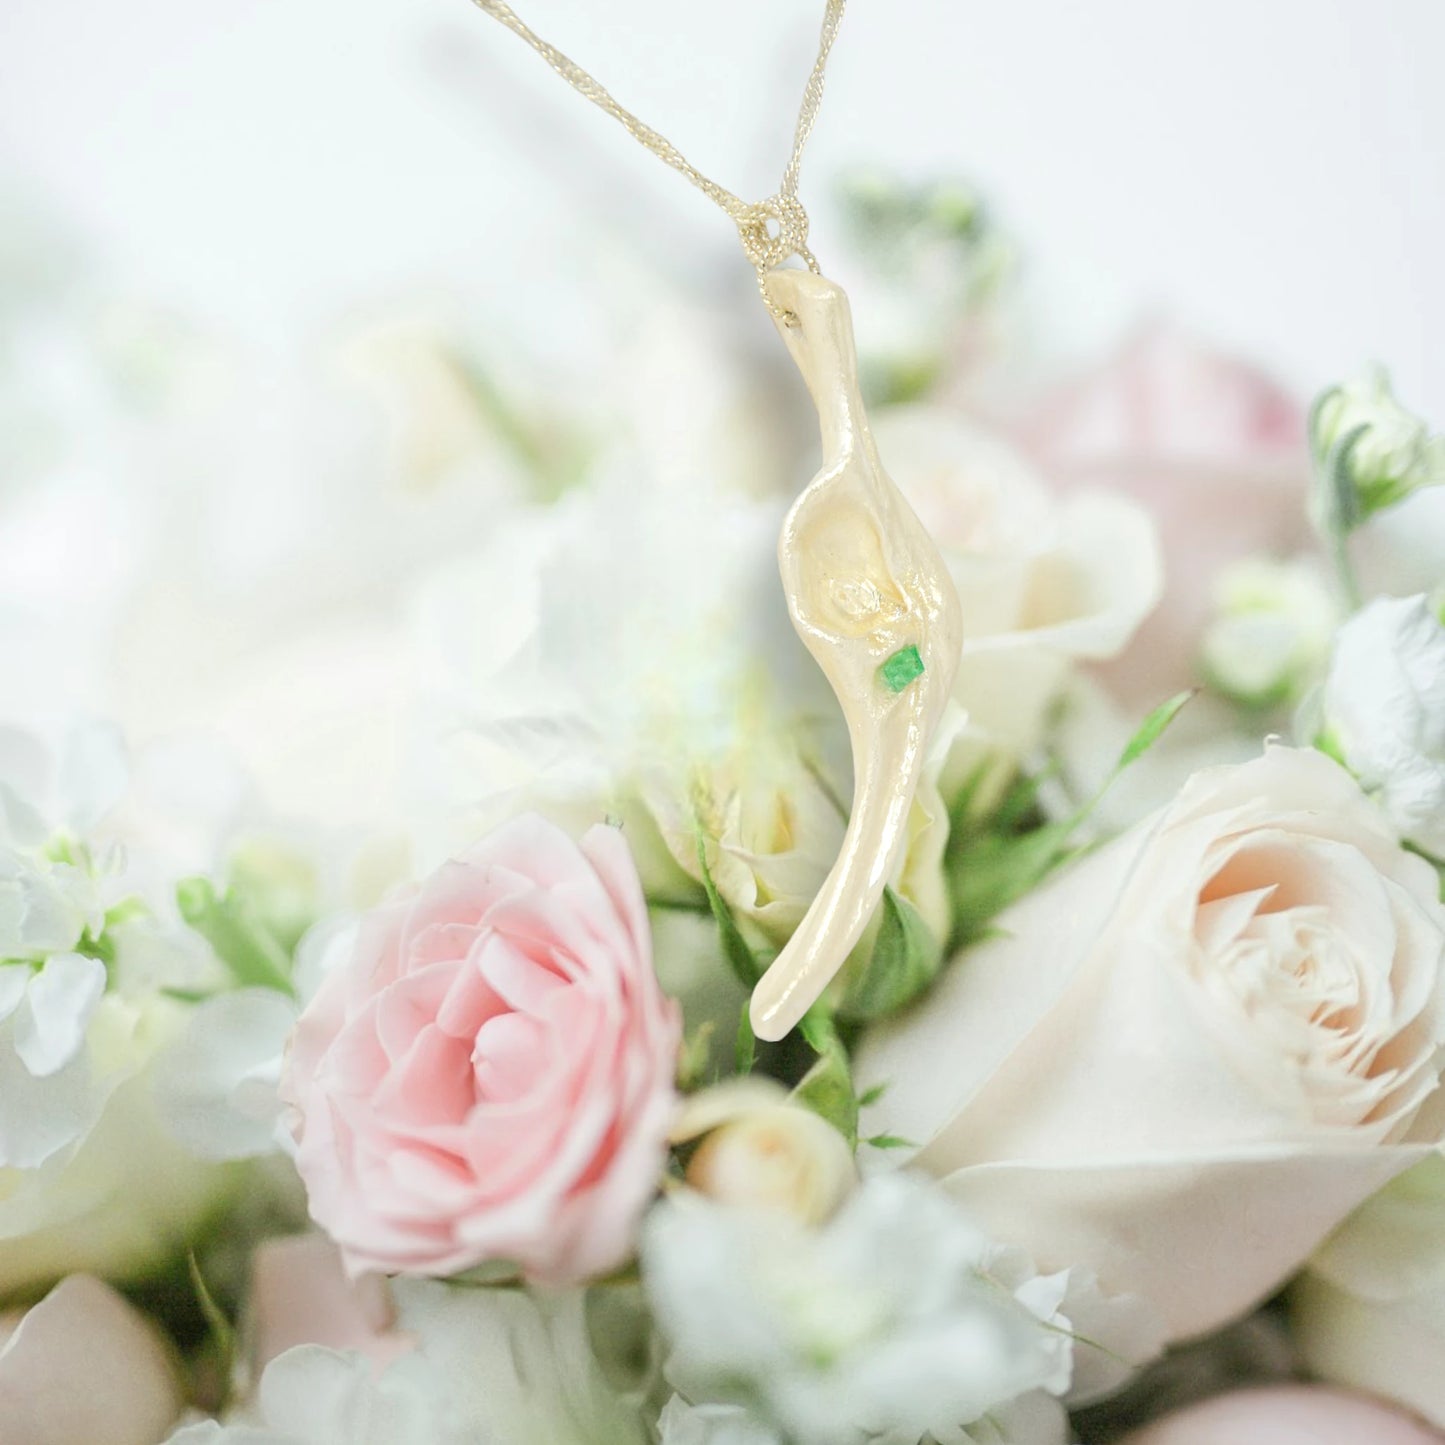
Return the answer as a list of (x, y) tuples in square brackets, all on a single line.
[(294, 298), (1268, 171)]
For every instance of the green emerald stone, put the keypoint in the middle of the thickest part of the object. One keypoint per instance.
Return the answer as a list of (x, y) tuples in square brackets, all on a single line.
[(901, 668)]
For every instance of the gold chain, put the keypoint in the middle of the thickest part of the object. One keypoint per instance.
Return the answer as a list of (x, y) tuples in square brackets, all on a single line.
[(771, 230)]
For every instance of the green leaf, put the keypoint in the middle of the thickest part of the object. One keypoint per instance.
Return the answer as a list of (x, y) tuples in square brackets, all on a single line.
[(692, 1062), (1152, 729), (223, 1334), (747, 1045), (998, 871), (1020, 801), (827, 1087), (889, 1141), (869, 1097), (819, 1030), (186, 995), (241, 941), (905, 959), (964, 820), (740, 956)]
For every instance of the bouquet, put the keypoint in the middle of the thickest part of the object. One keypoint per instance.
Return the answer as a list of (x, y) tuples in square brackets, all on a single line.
[(375, 1059)]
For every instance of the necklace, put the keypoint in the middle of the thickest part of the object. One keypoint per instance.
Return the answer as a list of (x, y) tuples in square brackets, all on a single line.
[(867, 590)]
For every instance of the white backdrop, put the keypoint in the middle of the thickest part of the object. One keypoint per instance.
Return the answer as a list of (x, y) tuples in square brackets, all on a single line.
[(1268, 170)]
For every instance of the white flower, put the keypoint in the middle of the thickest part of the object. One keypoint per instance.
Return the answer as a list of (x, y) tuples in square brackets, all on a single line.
[(491, 1367), (88, 1179), (217, 1084), (1269, 637), (629, 652), (887, 1324), (684, 1424), (314, 1396), (1385, 452), (1045, 585), (1370, 1310), (1384, 710), (761, 1151), (45, 1077)]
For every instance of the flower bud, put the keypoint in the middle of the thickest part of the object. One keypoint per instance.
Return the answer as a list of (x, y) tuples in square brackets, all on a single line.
[(1269, 638), (1370, 451), (761, 1151), (1384, 712)]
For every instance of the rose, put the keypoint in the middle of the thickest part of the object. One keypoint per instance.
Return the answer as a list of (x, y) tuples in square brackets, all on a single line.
[(1384, 710), (489, 1073), (769, 828), (1370, 1310), (1189, 1057), (759, 1150), (83, 1365), (1284, 1415), (1044, 585), (1211, 446)]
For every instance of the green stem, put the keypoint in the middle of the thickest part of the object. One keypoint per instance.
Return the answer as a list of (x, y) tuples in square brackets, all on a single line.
[(1345, 568)]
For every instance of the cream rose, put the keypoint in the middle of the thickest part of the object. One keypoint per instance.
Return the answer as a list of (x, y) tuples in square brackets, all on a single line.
[(1191, 1056), (1370, 1310)]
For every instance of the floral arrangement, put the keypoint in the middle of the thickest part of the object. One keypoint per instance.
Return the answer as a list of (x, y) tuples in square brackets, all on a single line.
[(374, 1049)]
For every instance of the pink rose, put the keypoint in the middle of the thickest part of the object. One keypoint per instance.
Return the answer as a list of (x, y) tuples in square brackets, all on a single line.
[(83, 1365), (489, 1075), (1216, 452), (300, 1295), (1285, 1415)]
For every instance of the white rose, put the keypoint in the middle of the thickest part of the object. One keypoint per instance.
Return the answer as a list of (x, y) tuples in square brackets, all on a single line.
[(1384, 707), (1189, 1057), (1370, 1311), (1045, 584)]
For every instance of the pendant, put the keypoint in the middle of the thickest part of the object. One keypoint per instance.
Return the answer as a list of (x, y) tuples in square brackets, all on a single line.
[(873, 602)]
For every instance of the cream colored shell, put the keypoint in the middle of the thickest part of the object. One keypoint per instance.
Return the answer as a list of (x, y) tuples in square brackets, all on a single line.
[(864, 581)]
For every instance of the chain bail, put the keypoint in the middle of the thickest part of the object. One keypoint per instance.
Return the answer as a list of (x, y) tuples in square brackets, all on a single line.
[(773, 231)]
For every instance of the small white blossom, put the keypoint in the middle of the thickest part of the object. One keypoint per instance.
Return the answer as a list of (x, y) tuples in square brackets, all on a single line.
[(1374, 448), (1384, 711), (87, 963), (684, 1424), (1270, 635), (889, 1324), (491, 1366), (216, 1086), (315, 1396)]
